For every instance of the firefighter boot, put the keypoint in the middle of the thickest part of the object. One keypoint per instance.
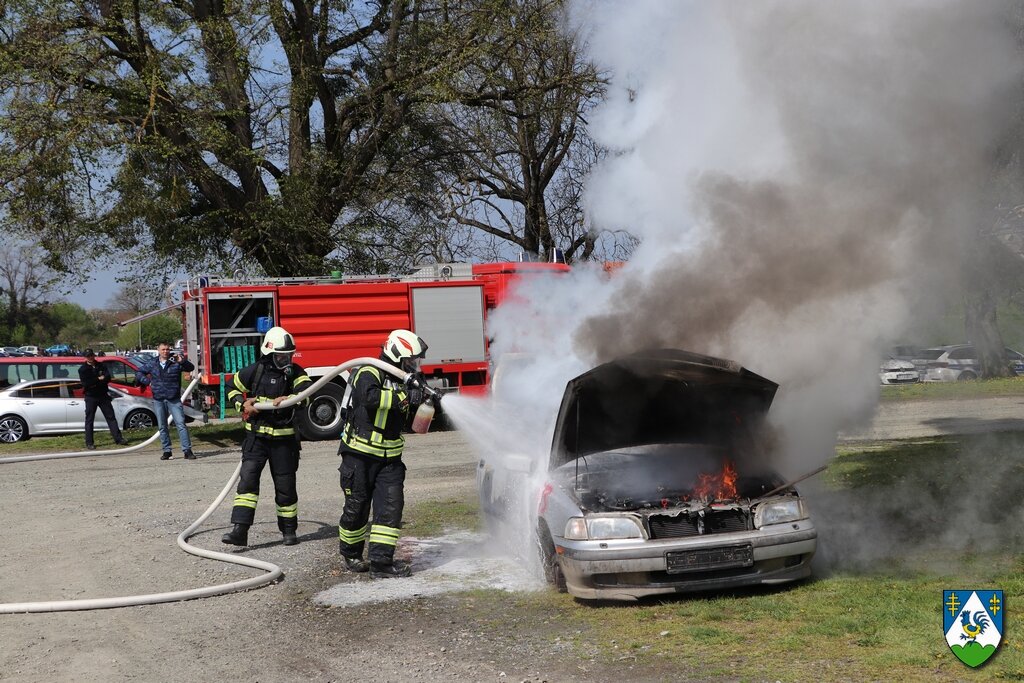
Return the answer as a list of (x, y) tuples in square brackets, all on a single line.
[(389, 571), (355, 564), (237, 536), (289, 537)]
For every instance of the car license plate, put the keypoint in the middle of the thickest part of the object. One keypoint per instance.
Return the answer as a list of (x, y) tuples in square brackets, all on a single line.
[(709, 558), (905, 375)]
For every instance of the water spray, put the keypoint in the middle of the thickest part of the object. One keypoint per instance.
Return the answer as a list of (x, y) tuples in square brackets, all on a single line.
[(274, 572)]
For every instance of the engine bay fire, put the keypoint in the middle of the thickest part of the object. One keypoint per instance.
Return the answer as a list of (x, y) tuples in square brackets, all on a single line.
[(660, 481), (676, 489)]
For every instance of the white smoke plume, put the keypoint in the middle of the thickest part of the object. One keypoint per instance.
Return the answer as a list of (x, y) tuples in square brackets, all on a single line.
[(803, 177)]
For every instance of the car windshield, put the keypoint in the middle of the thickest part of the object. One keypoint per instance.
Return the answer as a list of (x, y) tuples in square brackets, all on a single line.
[(931, 354)]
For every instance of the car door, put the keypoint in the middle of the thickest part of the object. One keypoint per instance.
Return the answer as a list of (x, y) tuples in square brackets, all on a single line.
[(123, 375), (44, 407), (74, 402)]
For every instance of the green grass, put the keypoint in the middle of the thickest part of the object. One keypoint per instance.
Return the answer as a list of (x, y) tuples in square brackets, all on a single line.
[(1006, 386), (434, 517), (219, 435), (843, 627)]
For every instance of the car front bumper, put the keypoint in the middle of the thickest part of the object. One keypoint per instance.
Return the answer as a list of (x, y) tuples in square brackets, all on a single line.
[(634, 568)]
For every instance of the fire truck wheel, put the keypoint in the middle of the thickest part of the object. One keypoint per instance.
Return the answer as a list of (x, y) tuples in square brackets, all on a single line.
[(321, 419)]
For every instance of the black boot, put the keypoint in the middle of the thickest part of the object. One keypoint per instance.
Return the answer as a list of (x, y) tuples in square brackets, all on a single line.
[(189, 455), (166, 455), (389, 571), (237, 536), (355, 564), (290, 538)]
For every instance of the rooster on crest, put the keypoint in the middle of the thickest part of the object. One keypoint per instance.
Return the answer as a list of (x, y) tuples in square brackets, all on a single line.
[(972, 631)]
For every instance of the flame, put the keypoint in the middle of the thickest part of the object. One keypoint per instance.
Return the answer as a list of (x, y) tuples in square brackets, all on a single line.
[(720, 486)]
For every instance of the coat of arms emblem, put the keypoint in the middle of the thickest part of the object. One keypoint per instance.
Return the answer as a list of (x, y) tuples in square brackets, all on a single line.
[(973, 623)]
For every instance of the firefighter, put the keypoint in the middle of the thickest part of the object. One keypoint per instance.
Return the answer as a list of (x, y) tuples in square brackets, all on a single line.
[(269, 436), (371, 468)]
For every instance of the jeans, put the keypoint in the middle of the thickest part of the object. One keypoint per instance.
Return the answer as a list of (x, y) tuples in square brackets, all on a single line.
[(172, 406)]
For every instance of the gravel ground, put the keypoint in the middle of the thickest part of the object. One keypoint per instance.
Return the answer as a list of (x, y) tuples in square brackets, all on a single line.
[(105, 526)]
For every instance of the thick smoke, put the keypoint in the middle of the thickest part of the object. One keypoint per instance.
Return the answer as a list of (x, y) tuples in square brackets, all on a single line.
[(804, 178)]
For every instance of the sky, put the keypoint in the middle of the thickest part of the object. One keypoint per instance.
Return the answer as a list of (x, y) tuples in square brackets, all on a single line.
[(97, 291)]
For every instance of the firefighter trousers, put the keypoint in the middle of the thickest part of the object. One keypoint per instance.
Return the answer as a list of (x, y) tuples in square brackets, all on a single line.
[(283, 454), (366, 480)]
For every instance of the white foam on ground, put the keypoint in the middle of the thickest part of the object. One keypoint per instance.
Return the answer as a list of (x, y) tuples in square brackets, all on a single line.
[(447, 564)]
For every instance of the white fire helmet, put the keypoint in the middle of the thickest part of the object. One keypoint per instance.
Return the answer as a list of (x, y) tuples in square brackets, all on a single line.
[(279, 342), (405, 349)]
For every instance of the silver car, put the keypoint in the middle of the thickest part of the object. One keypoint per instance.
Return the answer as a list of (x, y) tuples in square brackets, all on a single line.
[(658, 482), (56, 406)]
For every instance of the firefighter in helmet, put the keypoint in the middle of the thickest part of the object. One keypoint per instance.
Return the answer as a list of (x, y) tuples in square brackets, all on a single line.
[(270, 435), (371, 469)]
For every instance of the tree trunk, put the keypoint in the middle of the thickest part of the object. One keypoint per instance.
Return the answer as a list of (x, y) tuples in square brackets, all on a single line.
[(983, 332)]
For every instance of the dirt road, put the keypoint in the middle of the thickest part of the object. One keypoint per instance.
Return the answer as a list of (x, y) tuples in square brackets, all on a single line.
[(105, 526)]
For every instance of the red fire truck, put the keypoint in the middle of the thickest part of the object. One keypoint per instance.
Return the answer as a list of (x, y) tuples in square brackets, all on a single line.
[(334, 319)]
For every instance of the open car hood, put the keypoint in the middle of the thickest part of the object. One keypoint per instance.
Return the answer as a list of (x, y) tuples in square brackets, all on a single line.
[(657, 396)]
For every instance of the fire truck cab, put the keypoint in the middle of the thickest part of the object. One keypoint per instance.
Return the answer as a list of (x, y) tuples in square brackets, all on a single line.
[(334, 319)]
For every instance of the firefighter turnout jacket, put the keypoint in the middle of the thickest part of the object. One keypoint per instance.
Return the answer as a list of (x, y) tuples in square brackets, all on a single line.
[(263, 381), (380, 409)]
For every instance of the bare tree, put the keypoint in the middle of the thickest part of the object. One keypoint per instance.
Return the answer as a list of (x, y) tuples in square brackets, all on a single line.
[(521, 134), (138, 294), (25, 281)]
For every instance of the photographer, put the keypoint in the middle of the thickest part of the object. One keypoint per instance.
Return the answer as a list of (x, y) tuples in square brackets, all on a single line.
[(95, 382), (163, 375)]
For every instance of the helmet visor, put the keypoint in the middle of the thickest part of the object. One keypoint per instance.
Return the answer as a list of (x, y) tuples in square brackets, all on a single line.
[(281, 360), (411, 364)]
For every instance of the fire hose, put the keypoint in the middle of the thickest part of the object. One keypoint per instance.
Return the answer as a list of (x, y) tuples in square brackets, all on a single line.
[(274, 572)]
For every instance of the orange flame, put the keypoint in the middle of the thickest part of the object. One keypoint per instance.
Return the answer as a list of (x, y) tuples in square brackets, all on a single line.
[(720, 486)]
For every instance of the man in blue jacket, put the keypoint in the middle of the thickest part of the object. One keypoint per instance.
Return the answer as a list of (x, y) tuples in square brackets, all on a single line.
[(163, 375)]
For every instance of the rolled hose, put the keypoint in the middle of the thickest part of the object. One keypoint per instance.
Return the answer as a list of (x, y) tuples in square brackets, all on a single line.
[(274, 572)]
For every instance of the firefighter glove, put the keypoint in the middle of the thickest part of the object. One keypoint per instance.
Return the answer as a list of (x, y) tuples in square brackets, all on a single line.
[(415, 395)]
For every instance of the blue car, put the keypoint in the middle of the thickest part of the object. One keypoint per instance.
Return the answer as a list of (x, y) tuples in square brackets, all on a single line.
[(58, 350)]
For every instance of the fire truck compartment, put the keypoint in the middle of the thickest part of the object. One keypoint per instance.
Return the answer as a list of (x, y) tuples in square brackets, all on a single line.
[(451, 321), (233, 319)]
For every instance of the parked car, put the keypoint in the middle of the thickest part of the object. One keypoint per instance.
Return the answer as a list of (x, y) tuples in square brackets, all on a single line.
[(13, 351), (29, 350), (57, 406), (59, 350), (896, 371), (121, 369), (658, 482), (959, 363)]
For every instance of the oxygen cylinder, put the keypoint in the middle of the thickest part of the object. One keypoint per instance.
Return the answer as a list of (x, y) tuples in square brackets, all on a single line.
[(424, 414)]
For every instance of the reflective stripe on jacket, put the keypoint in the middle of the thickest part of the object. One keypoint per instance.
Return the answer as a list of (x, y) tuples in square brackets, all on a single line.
[(380, 409), (262, 381)]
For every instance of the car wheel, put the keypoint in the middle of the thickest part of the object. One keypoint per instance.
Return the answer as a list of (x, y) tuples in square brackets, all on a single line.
[(966, 376), (321, 418), (140, 418), (549, 559), (13, 429)]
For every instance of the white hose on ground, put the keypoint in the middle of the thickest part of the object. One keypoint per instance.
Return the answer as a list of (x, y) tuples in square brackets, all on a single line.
[(274, 572)]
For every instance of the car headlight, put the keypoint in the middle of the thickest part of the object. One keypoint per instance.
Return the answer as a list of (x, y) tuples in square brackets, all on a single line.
[(779, 511), (602, 528)]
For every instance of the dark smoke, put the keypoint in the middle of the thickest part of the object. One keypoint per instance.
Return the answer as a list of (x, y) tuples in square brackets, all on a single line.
[(802, 250)]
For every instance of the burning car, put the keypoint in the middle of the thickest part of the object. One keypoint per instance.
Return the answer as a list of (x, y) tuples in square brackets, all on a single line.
[(658, 482)]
